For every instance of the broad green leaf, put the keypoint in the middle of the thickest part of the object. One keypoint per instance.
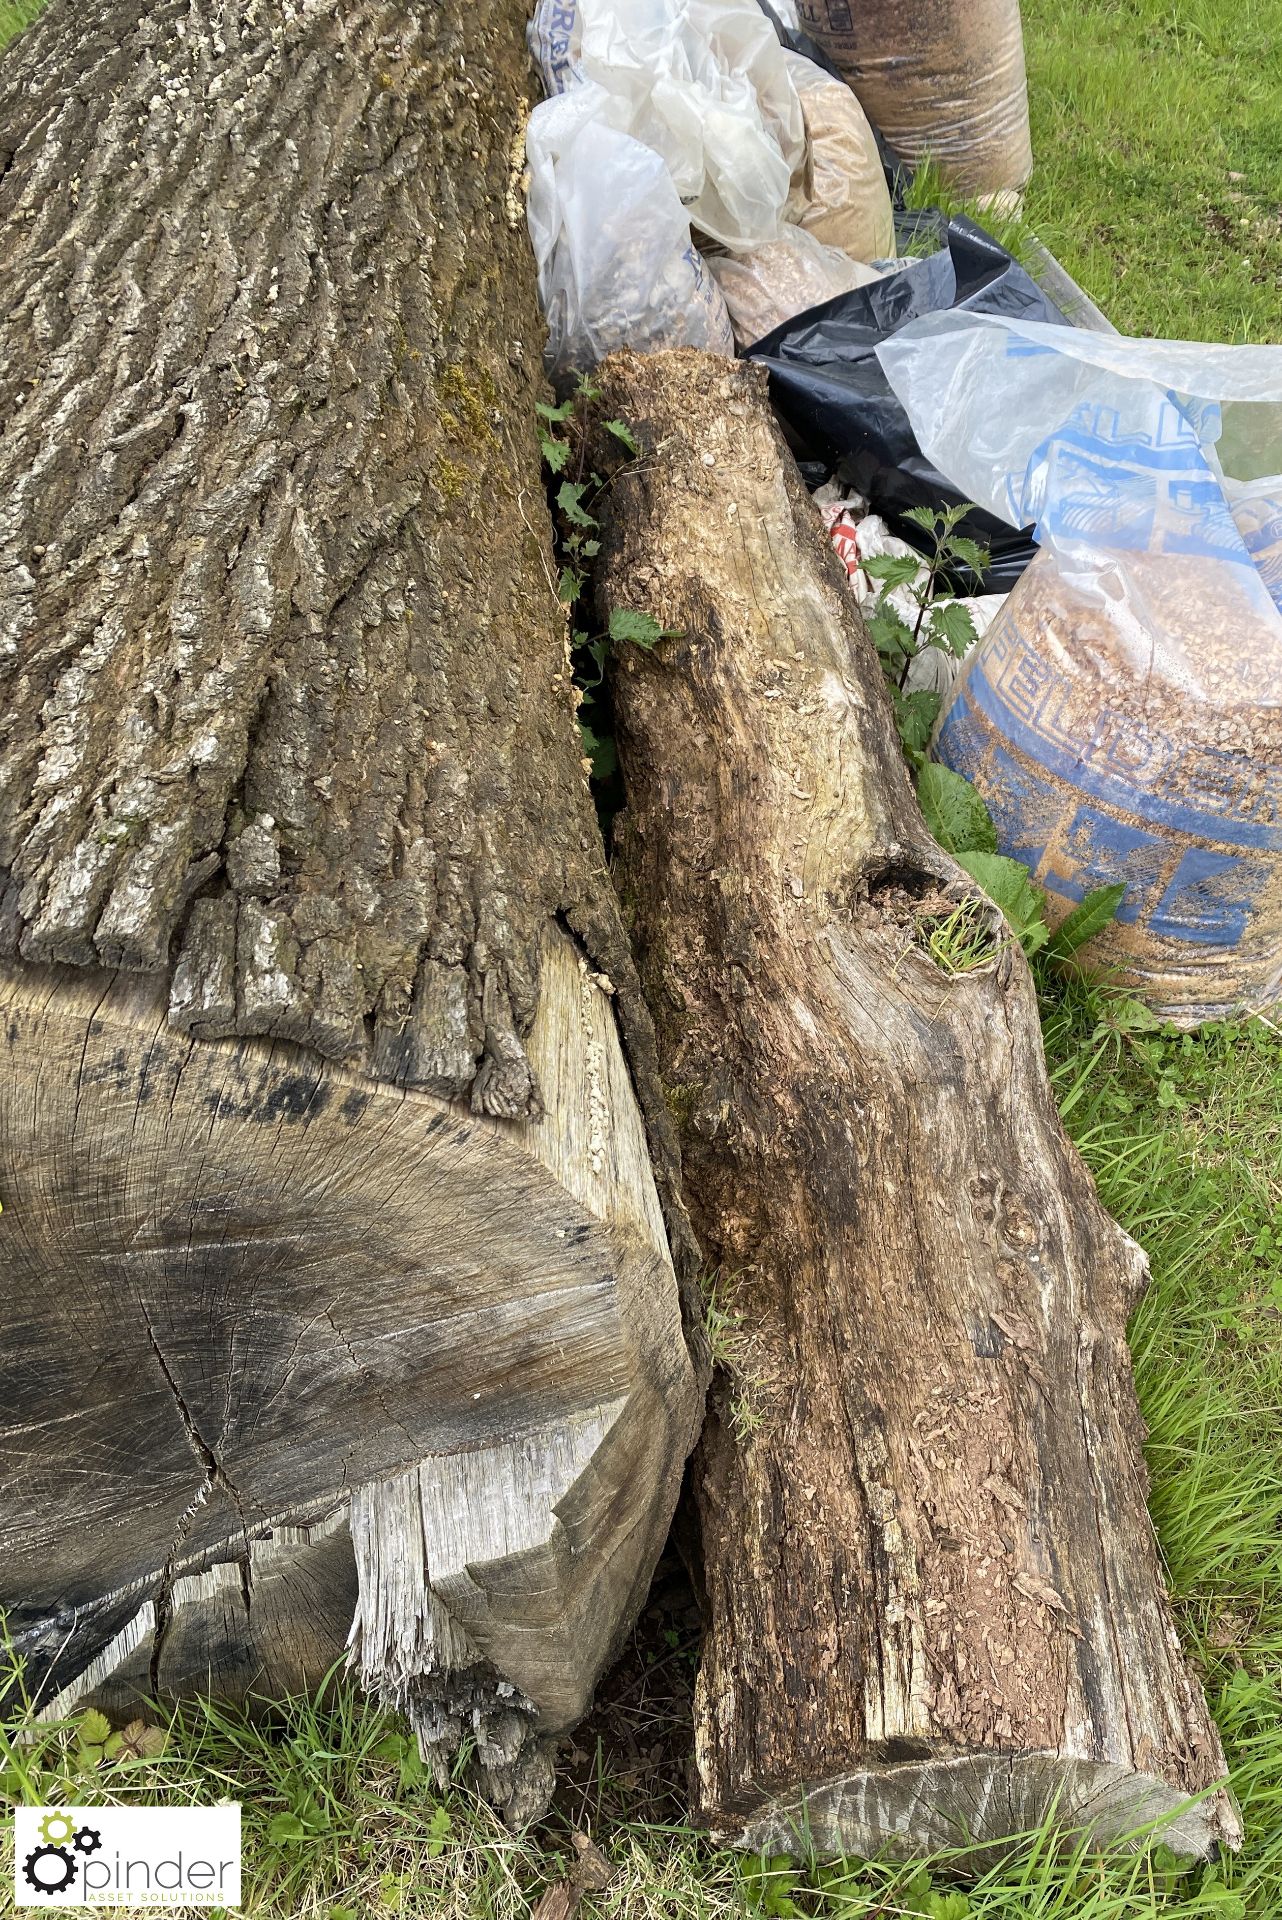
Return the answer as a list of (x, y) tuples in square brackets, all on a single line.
[(1009, 886), (954, 625), (916, 1891), (570, 585), (892, 569), (891, 634), (1128, 1015), (623, 434), (970, 553), (924, 517), (628, 628), (955, 811), (1221, 1901), (947, 1906), (589, 679), (555, 452), (600, 750), (286, 1827), (555, 414), (1089, 917), (915, 717), (93, 1729), (570, 500)]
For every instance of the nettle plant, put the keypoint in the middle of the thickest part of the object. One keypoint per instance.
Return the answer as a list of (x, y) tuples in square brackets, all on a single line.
[(954, 810), (564, 445), (942, 621)]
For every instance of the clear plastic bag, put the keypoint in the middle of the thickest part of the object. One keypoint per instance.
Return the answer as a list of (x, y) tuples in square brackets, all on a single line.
[(771, 284), (704, 83), (841, 196), (1123, 717), (1257, 514), (611, 240), (943, 78)]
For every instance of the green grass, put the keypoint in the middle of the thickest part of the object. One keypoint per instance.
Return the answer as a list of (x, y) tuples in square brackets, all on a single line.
[(1143, 113), (1157, 130), (1184, 1135), (15, 15)]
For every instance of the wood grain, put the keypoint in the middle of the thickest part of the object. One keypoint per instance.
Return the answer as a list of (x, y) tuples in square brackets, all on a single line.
[(245, 1288)]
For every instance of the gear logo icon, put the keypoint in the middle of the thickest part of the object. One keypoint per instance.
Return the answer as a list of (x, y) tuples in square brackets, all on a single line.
[(49, 1869)]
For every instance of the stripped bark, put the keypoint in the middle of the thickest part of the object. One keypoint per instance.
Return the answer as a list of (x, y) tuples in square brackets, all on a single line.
[(297, 856), (936, 1610)]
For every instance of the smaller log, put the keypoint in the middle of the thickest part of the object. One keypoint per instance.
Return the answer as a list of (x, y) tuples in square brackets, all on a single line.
[(936, 1612)]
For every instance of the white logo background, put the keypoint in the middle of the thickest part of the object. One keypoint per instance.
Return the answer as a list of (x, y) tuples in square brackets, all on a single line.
[(127, 1857)]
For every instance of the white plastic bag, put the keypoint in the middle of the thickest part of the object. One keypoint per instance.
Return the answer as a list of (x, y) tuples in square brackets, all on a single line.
[(1123, 718), (704, 83), (840, 194), (857, 536), (772, 283), (611, 240)]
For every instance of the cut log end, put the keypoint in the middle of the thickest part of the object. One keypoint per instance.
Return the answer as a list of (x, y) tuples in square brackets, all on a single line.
[(981, 1802), (394, 1370)]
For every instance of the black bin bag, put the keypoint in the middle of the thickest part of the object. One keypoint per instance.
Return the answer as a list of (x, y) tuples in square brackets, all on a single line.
[(836, 405)]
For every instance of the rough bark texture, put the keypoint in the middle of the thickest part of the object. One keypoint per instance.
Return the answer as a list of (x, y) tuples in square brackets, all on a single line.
[(935, 1604), (284, 694), (293, 824)]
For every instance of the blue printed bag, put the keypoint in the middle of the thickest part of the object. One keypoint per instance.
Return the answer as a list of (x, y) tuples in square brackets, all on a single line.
[(1123, 716)]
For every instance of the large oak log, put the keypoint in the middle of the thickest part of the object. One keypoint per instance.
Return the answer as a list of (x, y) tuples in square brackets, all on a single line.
[(335, 1285), (935, 1603)]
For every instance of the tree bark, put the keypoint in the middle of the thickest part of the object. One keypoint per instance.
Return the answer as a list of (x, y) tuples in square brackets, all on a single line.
[(334, 1269), (935, 1604)]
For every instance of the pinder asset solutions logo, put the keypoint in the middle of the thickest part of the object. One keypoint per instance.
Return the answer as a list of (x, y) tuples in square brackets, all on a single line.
[(127, 1857)]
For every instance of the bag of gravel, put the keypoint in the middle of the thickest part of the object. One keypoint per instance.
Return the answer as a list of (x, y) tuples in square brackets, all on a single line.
[(840, 194), (1123, 716), (943, 79), (770, 285), (1257, 511)]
